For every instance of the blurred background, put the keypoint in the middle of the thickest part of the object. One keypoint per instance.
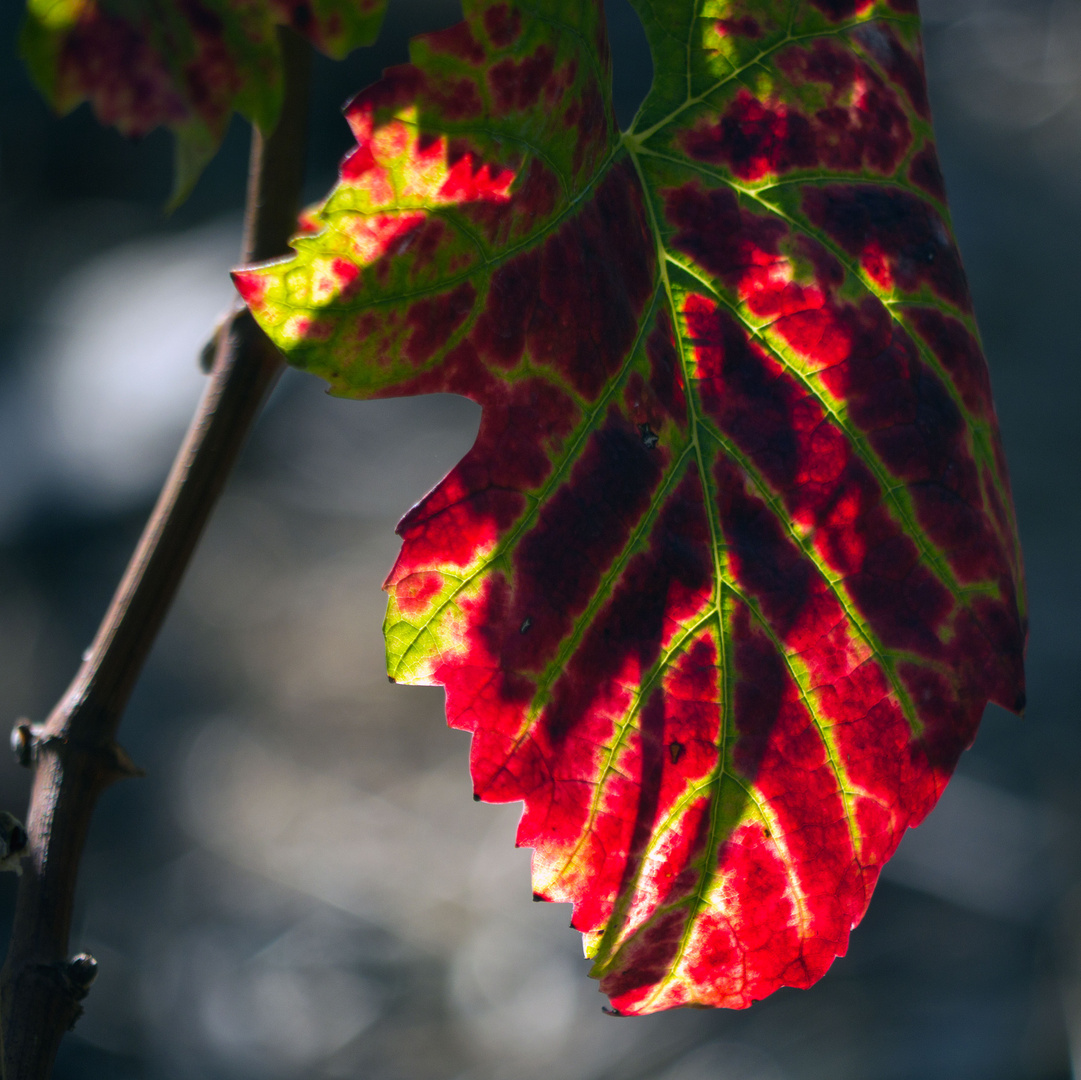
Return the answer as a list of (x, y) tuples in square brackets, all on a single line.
[(302, 886)]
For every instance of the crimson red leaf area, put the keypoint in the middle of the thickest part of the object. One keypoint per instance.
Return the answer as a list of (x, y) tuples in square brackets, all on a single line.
[(184, 64), (726, 581)]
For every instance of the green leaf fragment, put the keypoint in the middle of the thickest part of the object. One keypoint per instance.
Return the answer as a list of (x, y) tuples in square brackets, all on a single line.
[(183, 64)]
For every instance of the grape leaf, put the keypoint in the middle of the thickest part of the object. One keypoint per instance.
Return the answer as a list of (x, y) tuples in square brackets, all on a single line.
[(731, 571), (185, 64)]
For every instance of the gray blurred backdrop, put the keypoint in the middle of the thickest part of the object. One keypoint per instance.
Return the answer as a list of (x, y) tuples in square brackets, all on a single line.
[(302, 886)]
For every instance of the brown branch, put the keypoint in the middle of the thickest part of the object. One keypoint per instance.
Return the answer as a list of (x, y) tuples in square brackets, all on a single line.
[(74, 754)]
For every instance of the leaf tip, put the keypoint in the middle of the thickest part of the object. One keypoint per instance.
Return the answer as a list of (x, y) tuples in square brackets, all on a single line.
[(250, 284)]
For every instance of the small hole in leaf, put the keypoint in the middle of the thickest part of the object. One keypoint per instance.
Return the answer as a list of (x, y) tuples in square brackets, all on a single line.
[(632, 63)]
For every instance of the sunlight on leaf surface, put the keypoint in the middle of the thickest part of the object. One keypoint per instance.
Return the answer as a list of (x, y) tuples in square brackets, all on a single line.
[(727, 579)]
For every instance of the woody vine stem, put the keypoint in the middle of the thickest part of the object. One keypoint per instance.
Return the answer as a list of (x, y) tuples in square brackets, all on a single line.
[(74, 754)]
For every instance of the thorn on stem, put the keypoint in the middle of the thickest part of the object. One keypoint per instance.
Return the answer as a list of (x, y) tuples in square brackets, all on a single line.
[(23, 739), (122, 765), (209, 351), (82, 970), (77, 975), (13, 841)]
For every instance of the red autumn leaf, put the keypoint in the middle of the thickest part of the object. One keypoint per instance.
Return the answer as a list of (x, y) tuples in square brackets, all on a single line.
[(726, 581), (184, 64)]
